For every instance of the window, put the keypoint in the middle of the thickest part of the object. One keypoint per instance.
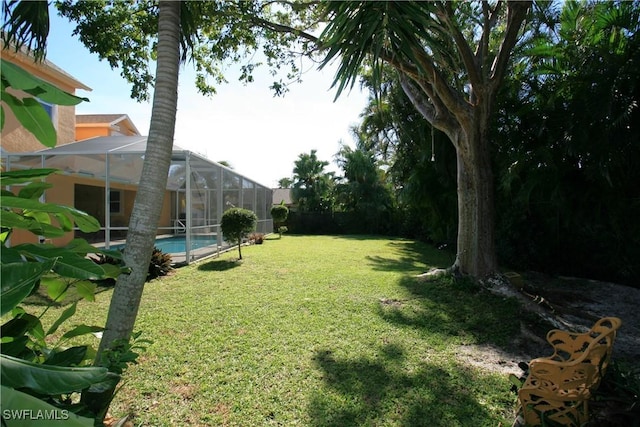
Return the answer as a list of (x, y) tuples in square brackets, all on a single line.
[(52, 111), (115, 201)]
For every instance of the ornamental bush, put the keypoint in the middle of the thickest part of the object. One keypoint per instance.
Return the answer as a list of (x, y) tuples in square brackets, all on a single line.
[(236, 224)]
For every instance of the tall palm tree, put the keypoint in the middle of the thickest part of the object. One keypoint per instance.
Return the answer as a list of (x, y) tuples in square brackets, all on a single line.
[(148, 202), (145, 215), (311, 183), (451, 58)]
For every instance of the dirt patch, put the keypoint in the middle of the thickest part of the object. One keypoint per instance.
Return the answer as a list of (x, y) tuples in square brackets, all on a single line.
[(566, 303)]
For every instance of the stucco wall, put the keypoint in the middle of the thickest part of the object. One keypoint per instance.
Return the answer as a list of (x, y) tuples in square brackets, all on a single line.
[(86, 132), (63, 192)]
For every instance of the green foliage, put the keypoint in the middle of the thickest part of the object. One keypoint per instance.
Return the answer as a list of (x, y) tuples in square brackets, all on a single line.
[(38, 362), (617, 400), (212, 34), (312, 186), (567, 147), (124, 352), (28, 110), (236, 224), (279, 213), (364, 189), (160, 264)]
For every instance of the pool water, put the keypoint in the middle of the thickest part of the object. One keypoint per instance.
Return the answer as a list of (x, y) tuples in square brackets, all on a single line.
[(177, 244)]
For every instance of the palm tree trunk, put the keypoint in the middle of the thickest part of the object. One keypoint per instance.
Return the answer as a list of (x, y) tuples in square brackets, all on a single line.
[(153, 182)]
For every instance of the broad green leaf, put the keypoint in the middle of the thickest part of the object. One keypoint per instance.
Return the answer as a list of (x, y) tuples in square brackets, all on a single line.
[(113, 271), (10, 219), (14, 327), (36, 330), (34, 190), (22, 80), (15, 402), (82, 330), (64, 222), (66, 314), (18, 279), (69, 357), (32, 115), (56, 287), (85, 222), (48, 380), (109, 383), (69, 264), (25, 175), (46, 230), (14, 346), (86, 290), (81, 246), (41, 217)]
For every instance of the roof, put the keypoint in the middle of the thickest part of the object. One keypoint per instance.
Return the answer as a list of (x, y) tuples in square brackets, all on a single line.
[(24, 59), (103, 145), (126, 153), (100, 118), (108, 119), (282, 194)]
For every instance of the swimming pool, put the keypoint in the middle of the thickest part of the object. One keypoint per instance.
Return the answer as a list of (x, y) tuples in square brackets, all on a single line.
[(177, 244)]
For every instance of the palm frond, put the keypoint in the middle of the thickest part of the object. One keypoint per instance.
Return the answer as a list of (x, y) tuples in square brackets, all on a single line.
[(26, 24)]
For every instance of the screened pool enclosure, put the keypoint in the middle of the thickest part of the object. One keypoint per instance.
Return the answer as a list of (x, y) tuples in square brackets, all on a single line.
[(100, 176)]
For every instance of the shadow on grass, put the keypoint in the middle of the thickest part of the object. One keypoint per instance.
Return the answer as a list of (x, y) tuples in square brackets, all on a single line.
[(219, 265), (455, 309), (42, 299), (452, 308), (382, 391), (411, 256)]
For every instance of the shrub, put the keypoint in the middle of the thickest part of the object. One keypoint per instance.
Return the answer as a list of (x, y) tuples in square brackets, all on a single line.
[(256, 238), (160, 264), (236, 224), (279, 213)]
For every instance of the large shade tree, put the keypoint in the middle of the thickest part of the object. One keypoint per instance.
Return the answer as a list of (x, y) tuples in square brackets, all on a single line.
[(451, 58)]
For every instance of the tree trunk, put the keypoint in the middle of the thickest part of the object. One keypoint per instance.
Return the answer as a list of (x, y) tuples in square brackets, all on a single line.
[(153, 182), (476, 254)]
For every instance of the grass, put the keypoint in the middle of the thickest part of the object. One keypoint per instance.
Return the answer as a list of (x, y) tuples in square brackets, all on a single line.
[(314, 331)]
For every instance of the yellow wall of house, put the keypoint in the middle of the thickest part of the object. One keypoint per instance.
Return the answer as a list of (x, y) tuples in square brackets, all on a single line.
[(64, 193), (15, 138), (86, 132)]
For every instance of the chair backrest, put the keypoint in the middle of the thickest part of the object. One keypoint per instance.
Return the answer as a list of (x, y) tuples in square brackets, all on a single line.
[(599, 351)]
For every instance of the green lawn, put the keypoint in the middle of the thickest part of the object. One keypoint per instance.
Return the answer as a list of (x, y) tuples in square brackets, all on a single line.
[(314, 331)]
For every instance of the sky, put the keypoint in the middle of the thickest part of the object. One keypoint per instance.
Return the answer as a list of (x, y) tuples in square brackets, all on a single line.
[(258, 134)]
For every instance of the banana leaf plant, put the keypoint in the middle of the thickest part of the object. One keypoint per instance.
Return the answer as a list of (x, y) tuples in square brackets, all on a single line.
[(41, 370)]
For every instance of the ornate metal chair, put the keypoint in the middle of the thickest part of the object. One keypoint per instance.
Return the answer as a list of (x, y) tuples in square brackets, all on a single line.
[(559, 387)]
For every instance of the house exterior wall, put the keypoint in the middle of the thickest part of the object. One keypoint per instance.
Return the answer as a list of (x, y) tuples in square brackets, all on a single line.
[(63, 192), (86, 132), (15, 138)]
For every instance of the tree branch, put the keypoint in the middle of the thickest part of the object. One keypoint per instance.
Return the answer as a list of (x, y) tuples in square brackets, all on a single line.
[(280, 28), (464, 49), (516, 13)]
